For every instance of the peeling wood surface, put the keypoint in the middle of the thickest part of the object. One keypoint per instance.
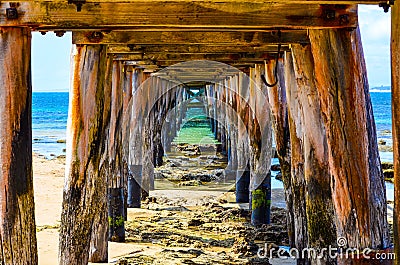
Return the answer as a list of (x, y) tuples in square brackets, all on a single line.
[(178, 15), (17, 218), (361, 217), (395, 53), (85, 190)]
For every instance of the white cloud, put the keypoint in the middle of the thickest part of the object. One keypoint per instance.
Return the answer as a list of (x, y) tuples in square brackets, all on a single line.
[(375, 35)]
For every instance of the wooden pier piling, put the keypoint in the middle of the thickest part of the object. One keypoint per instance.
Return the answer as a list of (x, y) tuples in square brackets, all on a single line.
[(17, 218), (86, 183), (321, 227), (298, 185), (360, 210)]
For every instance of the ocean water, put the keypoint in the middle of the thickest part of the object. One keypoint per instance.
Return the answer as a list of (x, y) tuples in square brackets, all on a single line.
[(381, 103), (50, 113), (49, 123)]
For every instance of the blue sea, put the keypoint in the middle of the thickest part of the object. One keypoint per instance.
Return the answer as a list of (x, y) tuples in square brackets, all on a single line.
[(49, 122), (50, 113)]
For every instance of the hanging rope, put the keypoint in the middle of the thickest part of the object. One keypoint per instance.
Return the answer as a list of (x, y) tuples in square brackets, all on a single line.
[(276, 65)]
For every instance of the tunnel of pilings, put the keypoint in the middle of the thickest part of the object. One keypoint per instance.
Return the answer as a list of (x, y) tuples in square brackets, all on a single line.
[(227, 111), (294, 70)]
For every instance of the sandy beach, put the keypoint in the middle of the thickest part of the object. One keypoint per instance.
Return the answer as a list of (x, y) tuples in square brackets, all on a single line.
[(48, 185)]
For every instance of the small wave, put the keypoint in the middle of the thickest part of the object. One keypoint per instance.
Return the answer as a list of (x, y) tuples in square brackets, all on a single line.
[(380, 90)]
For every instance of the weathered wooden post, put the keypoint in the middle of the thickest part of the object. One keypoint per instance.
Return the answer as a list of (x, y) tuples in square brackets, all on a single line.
[(278, 102), (395, 54), (319, 206), (98, 251), (298, 189), (17, 218), (243, 172), (215, 109), (134, 113), (116, 170), (357, 182), (85, 190), (260, 146)]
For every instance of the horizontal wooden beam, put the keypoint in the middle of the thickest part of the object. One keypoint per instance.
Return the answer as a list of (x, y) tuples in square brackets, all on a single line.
[(195, 48), (179, 15), (324, 2), (173, 38), (181, 57)]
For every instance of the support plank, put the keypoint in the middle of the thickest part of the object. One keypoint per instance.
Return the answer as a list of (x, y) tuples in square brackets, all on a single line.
[(120, 50), (395, 64), (85, 189), (357, 184), (17, 219), (179, 15), (322, 2), (226, 37)]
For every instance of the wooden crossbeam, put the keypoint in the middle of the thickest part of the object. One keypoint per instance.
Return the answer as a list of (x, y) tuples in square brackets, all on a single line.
[(253, 38), (322, 2), (168, 15), (172, 58), (195, 48)]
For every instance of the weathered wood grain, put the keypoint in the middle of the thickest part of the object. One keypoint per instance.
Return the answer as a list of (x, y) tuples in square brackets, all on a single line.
[(298, 185), (98, 251), (278, 102), (395, 64), (325, 2), (189, 37), (17, 219), (85, 189), (178, 15), (321, 225), (359, 203), (116, 168)]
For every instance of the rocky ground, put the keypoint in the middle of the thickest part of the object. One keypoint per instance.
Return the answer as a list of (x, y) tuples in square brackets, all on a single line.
[(192, 165), (210, 233)]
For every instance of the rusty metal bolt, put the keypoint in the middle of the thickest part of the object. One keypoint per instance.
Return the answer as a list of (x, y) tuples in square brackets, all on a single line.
[(385, 6), (330, 14), (95, 36), (59, 33), (344, 19), (11, 13), (131, 47), (78, 4)]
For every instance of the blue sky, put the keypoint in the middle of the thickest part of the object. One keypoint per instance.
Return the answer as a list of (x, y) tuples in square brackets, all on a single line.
[(51, 54)]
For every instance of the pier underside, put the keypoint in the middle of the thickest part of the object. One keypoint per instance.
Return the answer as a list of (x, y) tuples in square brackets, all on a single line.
[(290, 70)]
